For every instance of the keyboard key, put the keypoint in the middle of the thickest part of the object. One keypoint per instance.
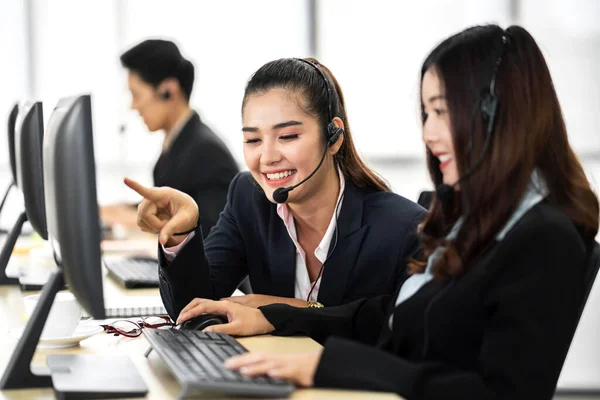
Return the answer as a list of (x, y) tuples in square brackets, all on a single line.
[(197, 360)]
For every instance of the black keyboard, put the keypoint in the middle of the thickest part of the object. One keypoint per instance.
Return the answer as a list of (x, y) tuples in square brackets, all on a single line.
[(134, 272), (196, 359)]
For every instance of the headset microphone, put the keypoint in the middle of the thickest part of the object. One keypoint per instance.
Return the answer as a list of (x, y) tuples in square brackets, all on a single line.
[(332, 134), (280, 195)]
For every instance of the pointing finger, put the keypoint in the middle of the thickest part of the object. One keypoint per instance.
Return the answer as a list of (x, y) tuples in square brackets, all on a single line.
[(145, 192)]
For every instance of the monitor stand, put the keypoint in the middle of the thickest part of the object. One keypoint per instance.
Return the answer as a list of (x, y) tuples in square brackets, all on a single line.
[(18, 373), (6, 195), (85, 376), (6, 252)]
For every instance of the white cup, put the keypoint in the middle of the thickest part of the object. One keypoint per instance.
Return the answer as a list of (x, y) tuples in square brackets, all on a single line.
[(63, 318)]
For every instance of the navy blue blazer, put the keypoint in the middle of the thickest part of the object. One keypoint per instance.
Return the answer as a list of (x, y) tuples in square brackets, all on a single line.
[(377, 236)]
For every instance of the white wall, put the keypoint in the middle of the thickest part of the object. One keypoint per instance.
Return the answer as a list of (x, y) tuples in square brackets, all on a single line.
[(568, 33), (224, 60), (374, 48), (14, 66)]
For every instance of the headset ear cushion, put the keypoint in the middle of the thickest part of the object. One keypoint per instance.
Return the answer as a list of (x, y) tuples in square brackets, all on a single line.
[(333, 133), (489, 105)]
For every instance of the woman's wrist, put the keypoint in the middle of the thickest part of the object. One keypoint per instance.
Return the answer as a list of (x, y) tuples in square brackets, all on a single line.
[(299, 303), (175, 241), (265, 325)]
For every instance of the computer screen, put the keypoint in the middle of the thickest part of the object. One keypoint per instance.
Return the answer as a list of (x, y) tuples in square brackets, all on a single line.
[(12, 121), (28, 141), (71, 204)]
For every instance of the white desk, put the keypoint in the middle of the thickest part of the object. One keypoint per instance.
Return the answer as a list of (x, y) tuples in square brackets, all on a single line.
[(160, 382)]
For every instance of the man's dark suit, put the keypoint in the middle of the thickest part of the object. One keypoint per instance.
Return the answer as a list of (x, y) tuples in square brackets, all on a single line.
[(199, 164)]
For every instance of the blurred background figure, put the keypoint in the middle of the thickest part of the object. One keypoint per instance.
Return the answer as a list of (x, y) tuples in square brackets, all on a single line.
[(193, 159)]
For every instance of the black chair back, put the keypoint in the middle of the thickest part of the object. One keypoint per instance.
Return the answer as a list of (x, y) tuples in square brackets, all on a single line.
[(425, 198), (591, 272)]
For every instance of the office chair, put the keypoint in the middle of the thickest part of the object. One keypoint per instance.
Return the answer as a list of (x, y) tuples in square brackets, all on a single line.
[(425, 198), (591, 271)]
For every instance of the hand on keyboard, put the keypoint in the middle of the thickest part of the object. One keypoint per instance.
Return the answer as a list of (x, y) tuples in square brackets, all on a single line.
[(243, 321), (298, 368)]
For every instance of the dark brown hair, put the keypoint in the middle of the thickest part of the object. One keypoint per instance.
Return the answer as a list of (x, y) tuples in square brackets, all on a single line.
[(294, 74), (529, 134)]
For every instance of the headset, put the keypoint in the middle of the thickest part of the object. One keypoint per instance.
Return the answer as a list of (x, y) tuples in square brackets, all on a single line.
[(332, 134), (487, 105), (166, 95)]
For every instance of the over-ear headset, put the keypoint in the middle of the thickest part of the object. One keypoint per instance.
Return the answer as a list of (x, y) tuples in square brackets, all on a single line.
[(487, 104), (489, 100), (332, 133)]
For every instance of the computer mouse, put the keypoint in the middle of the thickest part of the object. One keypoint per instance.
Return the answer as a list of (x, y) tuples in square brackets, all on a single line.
[(203, 321)]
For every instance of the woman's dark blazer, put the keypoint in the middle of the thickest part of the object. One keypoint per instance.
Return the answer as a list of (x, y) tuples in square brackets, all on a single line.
[(376, 238), (501, 331)]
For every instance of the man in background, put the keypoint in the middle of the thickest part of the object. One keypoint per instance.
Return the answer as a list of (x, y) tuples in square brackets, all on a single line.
[(193, 159)]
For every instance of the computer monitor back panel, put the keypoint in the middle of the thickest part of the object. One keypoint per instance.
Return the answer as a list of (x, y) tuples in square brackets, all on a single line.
[(12, 121), (71, 204), (29, 136)]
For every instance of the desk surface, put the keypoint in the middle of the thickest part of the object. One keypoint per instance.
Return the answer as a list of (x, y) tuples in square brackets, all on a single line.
[(160, 382)]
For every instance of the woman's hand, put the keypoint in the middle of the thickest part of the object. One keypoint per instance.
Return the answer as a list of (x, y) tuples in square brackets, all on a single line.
[(243, 321), (298, 368), (259, 300), (165, 211)]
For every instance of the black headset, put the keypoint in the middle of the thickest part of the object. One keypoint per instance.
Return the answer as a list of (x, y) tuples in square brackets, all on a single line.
[(166, 95), (333, 132), (487, 105), (489, 100)]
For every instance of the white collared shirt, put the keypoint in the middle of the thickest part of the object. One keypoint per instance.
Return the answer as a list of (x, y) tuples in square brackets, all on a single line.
[(303, 284)]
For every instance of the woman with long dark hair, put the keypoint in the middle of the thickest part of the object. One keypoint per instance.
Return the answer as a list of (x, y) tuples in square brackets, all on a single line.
[(330, 240), (491, 311)]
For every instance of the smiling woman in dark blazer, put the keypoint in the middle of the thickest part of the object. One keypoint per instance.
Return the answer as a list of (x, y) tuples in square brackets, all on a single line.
[(491, 313), (340, 235)]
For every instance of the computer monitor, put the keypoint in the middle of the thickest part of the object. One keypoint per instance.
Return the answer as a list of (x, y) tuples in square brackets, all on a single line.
[(71, 205), (74, 232), (12, 120), (28, 156), (27, 142)]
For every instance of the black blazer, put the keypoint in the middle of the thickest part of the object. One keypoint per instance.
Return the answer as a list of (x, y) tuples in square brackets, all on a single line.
[(199, 164), (501, 331), (377, 235)]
